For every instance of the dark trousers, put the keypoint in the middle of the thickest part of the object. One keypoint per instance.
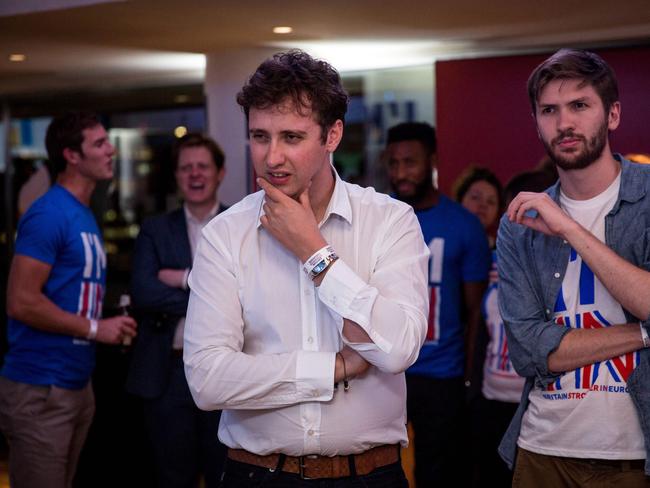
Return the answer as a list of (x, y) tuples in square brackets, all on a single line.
[(184, 438), (489, 421), (435, 408), (241, 475)]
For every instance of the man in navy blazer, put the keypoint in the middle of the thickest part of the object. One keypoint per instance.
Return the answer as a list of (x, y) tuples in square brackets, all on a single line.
[(184, 438)]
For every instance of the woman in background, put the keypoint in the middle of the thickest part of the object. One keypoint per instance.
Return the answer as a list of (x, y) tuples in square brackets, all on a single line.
[(501, 386), (480, 192)]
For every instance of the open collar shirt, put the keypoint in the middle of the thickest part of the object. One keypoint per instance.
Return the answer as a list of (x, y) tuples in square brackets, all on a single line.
[(260, 338), (531, 270), (194, 227)]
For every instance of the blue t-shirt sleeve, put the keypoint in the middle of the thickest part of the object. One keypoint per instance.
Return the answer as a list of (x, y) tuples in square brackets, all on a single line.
[(476, 262), (40, 234)]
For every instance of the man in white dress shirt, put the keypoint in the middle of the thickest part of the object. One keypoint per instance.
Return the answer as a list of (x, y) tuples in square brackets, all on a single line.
[(308, 300)]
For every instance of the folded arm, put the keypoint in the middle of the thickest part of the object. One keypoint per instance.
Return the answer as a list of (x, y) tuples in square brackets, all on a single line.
[(580, 347), (221, 371), (532, 333), (384, 319), (148, 290)]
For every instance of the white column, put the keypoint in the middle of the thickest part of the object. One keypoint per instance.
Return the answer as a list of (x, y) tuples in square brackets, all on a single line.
[(225, 74)]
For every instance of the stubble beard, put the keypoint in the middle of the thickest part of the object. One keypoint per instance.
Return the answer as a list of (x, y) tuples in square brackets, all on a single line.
[(420, 192), (592, 149)]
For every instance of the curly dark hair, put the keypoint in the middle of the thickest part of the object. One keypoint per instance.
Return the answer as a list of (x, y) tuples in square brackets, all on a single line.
[(575, 64), (310, 84), (66, 131)]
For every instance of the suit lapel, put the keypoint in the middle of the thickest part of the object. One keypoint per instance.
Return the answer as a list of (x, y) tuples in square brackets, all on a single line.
[(179, 236)]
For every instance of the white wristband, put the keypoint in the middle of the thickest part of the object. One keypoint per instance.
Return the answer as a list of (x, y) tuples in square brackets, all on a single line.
[(317, 258), (92, 332), (644, 335)]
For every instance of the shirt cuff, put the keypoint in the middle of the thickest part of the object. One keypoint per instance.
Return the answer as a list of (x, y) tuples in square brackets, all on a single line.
[(347, 295), (186, 275), (315, 375), (548, 341)]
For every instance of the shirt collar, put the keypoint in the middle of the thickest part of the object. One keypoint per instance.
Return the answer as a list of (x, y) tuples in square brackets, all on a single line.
[(191, 218), (339, 203), (632, 184)]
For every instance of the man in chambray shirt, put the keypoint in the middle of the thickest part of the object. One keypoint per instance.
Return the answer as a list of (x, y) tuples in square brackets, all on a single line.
[(573, 269)]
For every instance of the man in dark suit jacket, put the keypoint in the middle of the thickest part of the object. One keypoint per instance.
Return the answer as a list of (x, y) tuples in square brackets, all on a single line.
[(184, 438)]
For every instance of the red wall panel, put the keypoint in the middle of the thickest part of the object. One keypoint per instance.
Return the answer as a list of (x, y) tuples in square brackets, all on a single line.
[(484, 117)]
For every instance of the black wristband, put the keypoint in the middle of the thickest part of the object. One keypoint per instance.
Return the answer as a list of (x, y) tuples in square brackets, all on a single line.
[(346, 384)]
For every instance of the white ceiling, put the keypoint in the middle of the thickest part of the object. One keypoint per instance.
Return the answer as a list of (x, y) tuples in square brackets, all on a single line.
[(93, 44)]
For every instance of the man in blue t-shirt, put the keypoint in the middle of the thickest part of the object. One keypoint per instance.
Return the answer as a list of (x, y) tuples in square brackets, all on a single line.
[(54, 300), (458, 271)]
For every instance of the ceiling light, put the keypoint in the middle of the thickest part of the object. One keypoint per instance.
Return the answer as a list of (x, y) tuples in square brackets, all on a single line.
[(350, 56), (17, 57), (282, 30), (180, 131)]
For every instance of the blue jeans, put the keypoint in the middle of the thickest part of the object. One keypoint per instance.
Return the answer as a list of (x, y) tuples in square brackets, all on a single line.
[(240, 475)]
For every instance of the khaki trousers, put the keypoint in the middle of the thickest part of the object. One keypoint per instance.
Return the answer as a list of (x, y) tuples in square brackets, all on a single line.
[(45, 427), (534, 470)]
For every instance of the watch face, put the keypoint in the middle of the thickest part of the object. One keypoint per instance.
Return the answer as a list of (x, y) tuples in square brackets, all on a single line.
[(319, 267)]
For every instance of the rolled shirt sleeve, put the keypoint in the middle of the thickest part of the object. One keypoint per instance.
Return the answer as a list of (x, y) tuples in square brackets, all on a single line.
[(525, 302)]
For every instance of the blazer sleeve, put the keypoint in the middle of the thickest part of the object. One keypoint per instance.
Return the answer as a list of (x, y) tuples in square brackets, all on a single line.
[(149, 294)]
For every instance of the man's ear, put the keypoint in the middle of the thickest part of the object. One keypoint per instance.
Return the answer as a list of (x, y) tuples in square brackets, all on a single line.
[(433, 160), (221, 174), (71, 156), (614, 116), (334, 135)]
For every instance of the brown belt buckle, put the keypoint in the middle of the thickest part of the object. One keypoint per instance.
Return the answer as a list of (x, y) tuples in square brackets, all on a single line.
[(301, 465)]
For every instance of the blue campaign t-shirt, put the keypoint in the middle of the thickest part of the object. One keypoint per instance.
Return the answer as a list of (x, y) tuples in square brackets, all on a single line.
[(459, 253), (60, 231)]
